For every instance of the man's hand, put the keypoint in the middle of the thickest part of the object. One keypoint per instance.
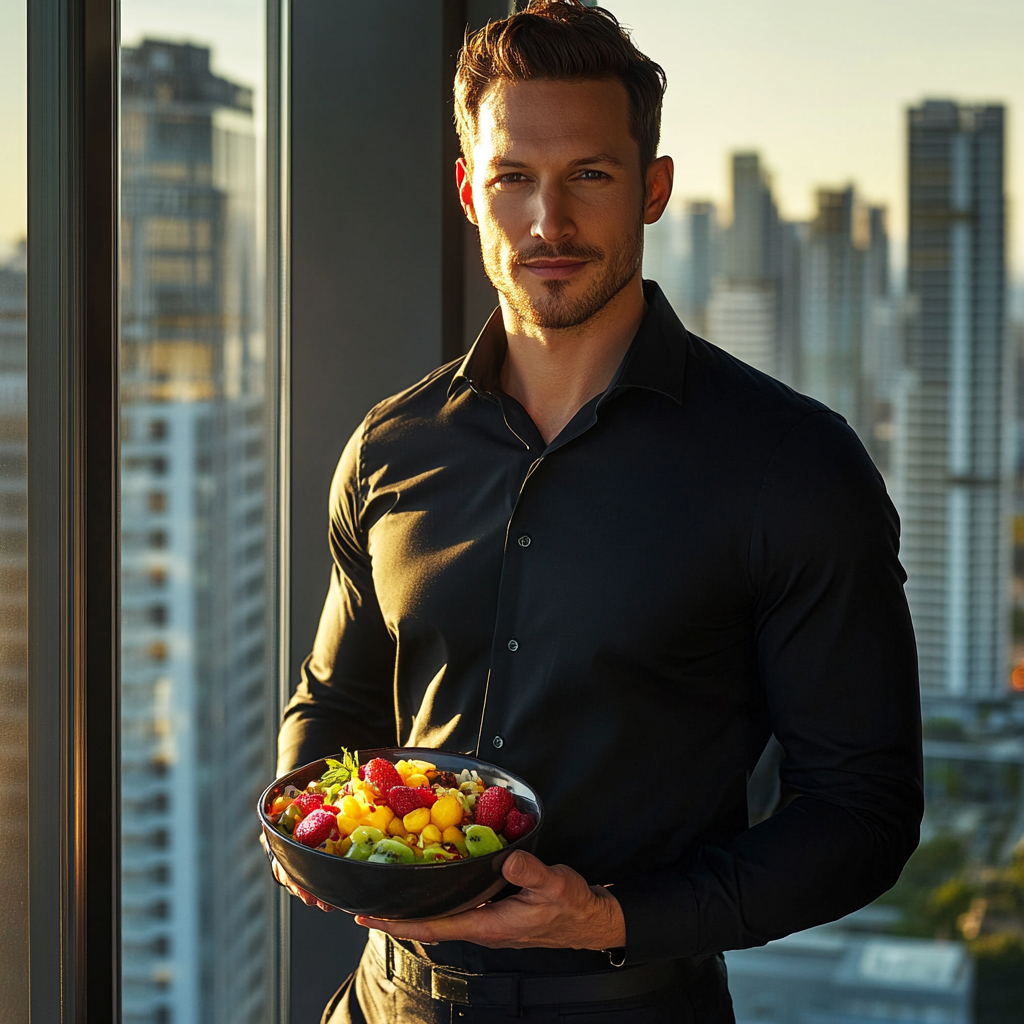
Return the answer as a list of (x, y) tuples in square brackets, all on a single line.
[(282, 876), (556, 908)]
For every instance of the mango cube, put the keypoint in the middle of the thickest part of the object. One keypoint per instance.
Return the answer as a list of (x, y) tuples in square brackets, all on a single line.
[(347, 825), (446, 812), (417, 820), (380, 818), (353, 808)]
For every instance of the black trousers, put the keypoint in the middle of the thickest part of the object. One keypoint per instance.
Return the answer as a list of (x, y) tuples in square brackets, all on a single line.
[(369, 997)]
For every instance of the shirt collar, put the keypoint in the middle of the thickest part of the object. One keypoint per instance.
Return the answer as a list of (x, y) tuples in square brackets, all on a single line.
[(655, 359)]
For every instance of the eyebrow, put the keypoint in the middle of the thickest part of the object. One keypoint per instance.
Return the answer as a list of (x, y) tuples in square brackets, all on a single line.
[(597, 158)]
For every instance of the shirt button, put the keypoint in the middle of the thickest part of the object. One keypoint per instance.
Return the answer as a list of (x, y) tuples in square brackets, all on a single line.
[(498, 742), (524, 541), (513, 644)]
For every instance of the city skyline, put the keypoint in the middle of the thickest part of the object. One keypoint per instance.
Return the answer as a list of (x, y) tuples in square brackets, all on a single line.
[(846, 129)]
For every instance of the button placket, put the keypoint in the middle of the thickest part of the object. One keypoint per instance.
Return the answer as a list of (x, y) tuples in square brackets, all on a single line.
[(507, 607)]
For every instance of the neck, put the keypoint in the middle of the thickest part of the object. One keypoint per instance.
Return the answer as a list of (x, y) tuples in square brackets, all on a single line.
[(554, 373)]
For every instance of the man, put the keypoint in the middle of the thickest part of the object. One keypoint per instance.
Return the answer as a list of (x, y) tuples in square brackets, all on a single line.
[(609, 556)]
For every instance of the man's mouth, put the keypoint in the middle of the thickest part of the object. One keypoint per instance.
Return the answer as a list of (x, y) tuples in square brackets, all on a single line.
[(555, 269)]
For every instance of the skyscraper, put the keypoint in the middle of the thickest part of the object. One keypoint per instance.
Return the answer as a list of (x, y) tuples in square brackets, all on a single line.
[(951, 458), (666, 259), (705, 250), (844, 275), (196, 710), (13, 615), (744, 308)]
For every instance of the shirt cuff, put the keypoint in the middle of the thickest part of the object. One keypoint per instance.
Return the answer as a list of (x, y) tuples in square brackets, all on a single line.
[(660, 911)]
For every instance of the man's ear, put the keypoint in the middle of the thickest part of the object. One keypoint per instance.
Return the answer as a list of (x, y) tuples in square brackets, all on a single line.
[(464, 182), (659, 188)]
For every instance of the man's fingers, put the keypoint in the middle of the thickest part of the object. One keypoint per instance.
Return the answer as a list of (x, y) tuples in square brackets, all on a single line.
[(282, 876), (525, 870)]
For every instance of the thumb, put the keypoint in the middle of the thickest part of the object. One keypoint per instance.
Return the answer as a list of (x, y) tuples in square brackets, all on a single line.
[(525, 870)]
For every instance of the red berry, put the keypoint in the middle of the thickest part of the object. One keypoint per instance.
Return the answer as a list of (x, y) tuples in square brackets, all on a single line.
[(518, 824), (316, 827), (403, 799), (333, 810), (309, 802), (362, 772), (492, 807), (383, 776)]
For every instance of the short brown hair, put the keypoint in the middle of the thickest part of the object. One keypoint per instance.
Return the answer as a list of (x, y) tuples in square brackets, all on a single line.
[(559, 39)]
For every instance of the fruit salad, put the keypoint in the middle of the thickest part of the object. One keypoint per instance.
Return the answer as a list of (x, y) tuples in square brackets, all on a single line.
[(409, 812)]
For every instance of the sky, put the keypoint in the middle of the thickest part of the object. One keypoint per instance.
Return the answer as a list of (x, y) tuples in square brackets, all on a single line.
[(819, 87)]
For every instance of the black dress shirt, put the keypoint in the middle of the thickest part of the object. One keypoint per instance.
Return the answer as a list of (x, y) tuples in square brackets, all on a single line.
[(622, 617)]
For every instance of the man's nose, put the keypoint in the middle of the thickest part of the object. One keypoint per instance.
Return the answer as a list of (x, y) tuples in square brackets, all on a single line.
[(552, 220)]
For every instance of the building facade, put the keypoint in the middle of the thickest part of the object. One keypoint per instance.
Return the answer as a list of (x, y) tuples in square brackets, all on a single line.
[(197, 709), (844, 281), (746, 305), (951, 457), (13, 612)]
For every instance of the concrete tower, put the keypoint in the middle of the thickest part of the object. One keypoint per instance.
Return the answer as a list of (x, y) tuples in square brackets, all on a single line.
[(951, 457), (195, 713)]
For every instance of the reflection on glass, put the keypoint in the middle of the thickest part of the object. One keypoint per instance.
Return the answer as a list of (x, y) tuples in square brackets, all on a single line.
[(196, 902), (13, 494)]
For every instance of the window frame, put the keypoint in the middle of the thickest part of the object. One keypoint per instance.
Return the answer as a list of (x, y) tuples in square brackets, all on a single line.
[(73, 600)]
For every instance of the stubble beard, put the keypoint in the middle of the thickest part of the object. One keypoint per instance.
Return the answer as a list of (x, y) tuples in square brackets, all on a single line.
[(554, 309)]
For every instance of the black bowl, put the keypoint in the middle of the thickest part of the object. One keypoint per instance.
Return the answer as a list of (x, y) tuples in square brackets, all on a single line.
[(399, 892)]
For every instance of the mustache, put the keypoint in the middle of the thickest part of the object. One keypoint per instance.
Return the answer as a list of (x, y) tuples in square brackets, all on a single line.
[(566, 251)]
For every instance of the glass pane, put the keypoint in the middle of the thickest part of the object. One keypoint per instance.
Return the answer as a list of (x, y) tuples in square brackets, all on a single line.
[(841, 222), (197, 699), (13, 488)]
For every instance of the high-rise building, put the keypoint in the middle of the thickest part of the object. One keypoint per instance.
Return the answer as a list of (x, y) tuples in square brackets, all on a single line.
[(666, 259), (745, 305), (844, 278), (752, 241), (951, 458), (196, 707), (705, 253), (13, 615), (741, 318)]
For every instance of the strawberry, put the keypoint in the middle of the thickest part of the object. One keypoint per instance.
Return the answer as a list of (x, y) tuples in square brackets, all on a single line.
[(518, 824), (307, 802), (383, 776), (315, 828), (493, 806), (403, 799)]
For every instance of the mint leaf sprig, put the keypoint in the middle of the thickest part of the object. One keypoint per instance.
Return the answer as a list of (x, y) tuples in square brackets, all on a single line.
[(339, 772)]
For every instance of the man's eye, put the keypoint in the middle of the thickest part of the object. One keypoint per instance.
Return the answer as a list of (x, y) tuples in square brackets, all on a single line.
[(507, 180), (591, 175)]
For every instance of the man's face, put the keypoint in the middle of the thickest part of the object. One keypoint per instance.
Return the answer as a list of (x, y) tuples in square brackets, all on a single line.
[(558, 194)]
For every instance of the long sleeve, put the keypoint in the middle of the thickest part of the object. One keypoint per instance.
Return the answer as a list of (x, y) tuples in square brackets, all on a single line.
[(837, 660), (345, 696)]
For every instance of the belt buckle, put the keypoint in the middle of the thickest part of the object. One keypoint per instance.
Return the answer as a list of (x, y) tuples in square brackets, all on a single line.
[(448, 986)]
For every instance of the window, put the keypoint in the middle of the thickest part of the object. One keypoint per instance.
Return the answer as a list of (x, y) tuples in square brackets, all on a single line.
[(13, 524), (842, 225), (198, 904)]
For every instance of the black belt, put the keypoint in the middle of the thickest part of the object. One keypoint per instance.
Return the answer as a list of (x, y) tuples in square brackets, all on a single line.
[(518, 990)]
